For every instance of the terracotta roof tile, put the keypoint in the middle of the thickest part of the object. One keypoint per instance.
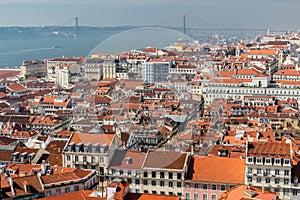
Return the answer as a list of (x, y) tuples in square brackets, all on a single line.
[(86, 138), (166, 160), (269, 149), (215, 169)]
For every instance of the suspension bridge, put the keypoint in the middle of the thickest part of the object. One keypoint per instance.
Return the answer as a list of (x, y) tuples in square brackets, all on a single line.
[(185, 24)]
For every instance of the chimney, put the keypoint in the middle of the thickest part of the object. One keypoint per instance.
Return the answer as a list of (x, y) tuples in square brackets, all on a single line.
[(43, 167), (11, 183)]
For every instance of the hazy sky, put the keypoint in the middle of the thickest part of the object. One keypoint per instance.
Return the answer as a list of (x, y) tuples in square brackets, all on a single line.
[(279, 14)]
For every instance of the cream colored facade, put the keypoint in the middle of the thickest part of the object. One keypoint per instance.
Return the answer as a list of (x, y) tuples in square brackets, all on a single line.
[(94, 69), (271, 173), (33, 68), (91, 155)]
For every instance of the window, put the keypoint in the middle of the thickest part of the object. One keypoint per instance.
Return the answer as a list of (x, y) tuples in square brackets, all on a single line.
[(153, 183), (67, 190), (145, 182), (145, 174), (178, 175), (68, 157), (213, 197), (187, 185), (249, 170), (223, 188), (178, 184), (76, 188), (259, 171), (187, 196), (295, 192), (196, 186), (170, 175), (286, 161), (153, 192), (121, 172), (276, 180), (286, 181), (204, 186), (48, 193), (214, 187), (162, 174), (258, 160), (249, 179), (196, 196), (57, 191), (170, 184), (277, 161), (153, 174), (129, 172), (162, 192), (267, 180), (204, 196), (258, 179), (268, 160), (171, 193), (277, 171), (162, 184), (76, 158), (93, 159), (286, 172), (268, 171), (84, 159), (137, 181), (285, 191)]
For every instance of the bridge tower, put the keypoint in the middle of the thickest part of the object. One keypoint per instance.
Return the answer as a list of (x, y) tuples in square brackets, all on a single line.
[(76, 26), (184, 25)]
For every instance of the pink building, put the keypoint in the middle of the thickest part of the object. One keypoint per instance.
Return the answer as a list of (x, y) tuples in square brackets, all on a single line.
[(208, 177)]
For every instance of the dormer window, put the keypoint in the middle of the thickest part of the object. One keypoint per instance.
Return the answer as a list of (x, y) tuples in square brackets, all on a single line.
[(250, 159), (258, 160), (268, 160), (286, 161), (277, 161)]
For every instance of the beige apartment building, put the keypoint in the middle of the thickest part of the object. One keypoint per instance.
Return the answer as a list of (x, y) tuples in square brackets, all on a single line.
[(154, 172), (269, 166), (91, 151)]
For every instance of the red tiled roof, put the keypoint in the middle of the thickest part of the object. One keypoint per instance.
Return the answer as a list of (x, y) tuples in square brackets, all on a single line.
[(166, 160), (78, 195), (215, 169), (16, 87), (134, 196), (135, 159), (269, 149), (86, 138), (67, 176), (246, 72), (2, 95), (244, 192), (263, 52)]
